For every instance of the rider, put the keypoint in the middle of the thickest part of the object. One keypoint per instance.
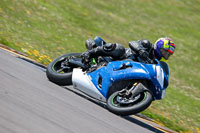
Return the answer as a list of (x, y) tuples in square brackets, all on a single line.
[(141, 50)]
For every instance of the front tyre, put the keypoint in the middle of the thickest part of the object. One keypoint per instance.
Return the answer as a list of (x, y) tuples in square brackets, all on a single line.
[(128, 106), (60, 73)]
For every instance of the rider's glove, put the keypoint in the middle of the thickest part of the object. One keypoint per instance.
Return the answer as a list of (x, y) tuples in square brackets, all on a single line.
[(85, 57), (144, 55), (150, 61)]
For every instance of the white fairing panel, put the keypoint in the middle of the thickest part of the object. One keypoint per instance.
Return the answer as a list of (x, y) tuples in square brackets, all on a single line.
[(82, 82), (160, 76)]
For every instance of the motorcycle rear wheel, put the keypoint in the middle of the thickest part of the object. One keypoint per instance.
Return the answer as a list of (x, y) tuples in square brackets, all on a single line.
[(140, 103), (58, 73)]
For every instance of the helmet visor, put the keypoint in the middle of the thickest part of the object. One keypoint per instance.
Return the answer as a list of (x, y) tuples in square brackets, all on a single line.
[(171, 49), (166, 53)]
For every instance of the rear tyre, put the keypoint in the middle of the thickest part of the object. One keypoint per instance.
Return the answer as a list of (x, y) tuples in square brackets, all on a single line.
[(60, 73), (129, 106)]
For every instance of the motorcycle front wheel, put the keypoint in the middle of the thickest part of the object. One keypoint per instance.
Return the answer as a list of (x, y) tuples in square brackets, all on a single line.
[(59, 72), (128, 105)]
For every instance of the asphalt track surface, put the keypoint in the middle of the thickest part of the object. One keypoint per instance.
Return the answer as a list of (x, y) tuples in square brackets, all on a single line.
[(29, 103)]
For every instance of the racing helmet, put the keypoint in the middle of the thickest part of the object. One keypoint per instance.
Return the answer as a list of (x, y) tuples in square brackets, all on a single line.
[(164, 48)]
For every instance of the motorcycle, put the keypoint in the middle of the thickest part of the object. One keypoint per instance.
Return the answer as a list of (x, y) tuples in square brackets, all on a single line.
[(126, 86)]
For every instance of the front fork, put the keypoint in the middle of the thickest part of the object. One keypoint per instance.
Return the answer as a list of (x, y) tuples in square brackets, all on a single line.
[(135, 90)]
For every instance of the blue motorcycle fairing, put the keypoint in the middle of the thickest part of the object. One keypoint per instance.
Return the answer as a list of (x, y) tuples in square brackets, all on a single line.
[(156, 74), (159, 88), (116, 71), (121, 70), (103, 74)]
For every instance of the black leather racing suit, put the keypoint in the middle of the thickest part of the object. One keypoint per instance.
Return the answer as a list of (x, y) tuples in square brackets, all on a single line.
[(141, 51)]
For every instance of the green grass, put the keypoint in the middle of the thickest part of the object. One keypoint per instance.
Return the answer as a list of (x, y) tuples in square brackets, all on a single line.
[(46, 29)]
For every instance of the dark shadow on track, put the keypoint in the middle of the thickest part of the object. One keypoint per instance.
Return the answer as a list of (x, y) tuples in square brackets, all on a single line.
[(128, 118), (142, 124)]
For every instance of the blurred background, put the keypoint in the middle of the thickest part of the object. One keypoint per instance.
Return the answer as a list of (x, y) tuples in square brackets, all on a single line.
[(45, 29)]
